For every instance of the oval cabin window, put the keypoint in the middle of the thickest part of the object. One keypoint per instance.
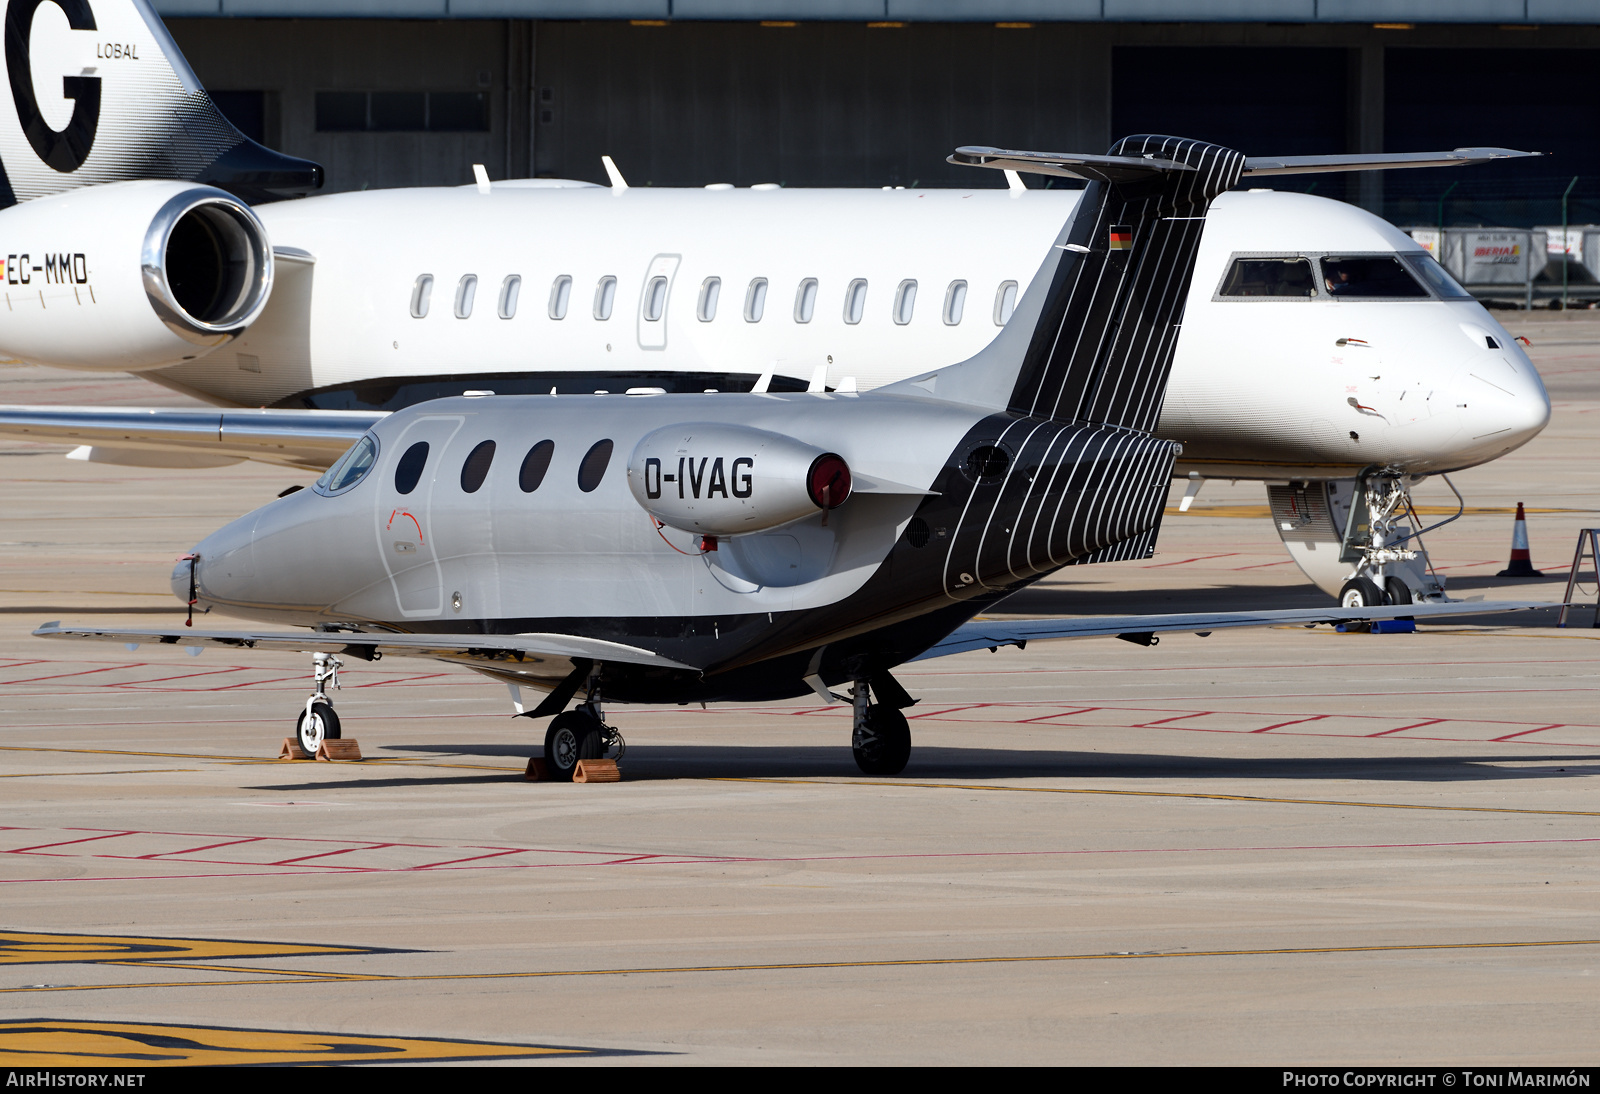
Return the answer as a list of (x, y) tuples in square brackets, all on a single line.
[(709, 291), (476, 469), (534, 465), (955, 302), (605, 295), (655, 299), (419, 296), (560, 293), (510, 289), (755, 300), (593, 467), (1005, 302), (855, 301), (408, 469), (805, 300), (466, 289), (905, 302)]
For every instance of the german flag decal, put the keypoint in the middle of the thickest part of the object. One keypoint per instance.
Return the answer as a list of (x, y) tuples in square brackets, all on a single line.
[(1121, 237)]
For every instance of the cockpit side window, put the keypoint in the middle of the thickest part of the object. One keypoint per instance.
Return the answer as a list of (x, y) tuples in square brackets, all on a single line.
[(1435, 276), (1370, 277), (1270, 277)]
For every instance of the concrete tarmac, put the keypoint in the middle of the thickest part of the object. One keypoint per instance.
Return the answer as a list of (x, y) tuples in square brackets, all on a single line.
[(1283, 846)]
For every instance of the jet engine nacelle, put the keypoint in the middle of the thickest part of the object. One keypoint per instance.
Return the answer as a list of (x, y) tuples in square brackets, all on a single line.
[(723, 480), (130, 276)]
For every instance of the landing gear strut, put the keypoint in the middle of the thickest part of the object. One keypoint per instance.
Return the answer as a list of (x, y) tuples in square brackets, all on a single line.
[(318, 722), (881, 737)]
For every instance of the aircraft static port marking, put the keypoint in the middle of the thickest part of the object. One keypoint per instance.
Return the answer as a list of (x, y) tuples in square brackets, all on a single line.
[(52, 1042)]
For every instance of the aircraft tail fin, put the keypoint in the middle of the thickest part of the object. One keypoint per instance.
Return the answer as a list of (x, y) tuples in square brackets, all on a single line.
[(1093, 337), (96, 91)]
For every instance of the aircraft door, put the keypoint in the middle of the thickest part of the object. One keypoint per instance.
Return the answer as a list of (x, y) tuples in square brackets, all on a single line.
[(653, 300), (403, 513)]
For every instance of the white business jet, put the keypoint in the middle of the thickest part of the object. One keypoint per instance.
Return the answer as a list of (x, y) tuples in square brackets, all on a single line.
[(1323, 351)]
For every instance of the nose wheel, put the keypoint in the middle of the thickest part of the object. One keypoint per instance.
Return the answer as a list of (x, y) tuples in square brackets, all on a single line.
[(318, 722)]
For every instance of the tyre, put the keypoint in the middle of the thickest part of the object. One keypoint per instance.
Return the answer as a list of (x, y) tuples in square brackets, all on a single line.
[(1398, 592), (572, 736), (883, 747), (323, 725), (1361, 592)]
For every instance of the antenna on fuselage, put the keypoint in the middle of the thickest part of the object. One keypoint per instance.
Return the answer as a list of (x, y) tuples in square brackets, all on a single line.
[(618, 183)]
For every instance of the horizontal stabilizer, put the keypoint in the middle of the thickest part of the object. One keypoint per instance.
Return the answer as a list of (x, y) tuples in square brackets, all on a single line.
[(1075, 165), (990, 633), (1378, 161)]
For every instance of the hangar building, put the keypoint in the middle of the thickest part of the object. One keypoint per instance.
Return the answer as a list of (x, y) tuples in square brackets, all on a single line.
[(876, 92)]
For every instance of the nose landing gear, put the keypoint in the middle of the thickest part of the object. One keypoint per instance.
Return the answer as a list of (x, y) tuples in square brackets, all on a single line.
[(318, 722)]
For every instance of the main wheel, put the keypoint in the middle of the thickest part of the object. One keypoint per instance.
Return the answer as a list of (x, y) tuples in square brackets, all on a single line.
[(323, 725), (1361, 592), (572, 736), (1398, 592), (883, 746)]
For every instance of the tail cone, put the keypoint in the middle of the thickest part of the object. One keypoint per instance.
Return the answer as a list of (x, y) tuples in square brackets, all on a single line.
[(1521, 565)]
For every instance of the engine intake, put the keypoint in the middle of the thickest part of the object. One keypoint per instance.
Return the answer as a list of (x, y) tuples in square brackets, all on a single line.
[(207, 266)]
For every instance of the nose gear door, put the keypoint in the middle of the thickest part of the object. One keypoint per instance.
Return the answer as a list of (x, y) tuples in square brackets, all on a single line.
[(404, 503)]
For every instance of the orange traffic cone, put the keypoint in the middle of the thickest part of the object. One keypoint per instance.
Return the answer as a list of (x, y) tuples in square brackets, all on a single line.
[(1521, 564)]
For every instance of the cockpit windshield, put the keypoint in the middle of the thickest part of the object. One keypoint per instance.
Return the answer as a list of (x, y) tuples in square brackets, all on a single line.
[(1370, 278), (350, 468), (1435, 276)]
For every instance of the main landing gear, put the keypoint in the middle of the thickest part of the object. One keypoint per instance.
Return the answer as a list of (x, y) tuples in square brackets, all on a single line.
[(318, 722), (579, 734), (881, 736)]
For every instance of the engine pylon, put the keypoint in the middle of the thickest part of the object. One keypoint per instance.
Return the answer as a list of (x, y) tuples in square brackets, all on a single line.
[(1521, 564)]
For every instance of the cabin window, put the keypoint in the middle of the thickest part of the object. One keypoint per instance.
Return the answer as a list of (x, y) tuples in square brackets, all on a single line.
[(1291, 277), (605, 295), (466, 289), (350, 469), (510, 289), (1369, 278), (755, 300), (905, 301), (805, 300), (1005, 302), (534, 465), (855, 301), (710, 289), (419, 296), (476, 469), (655, 299), (955, 302), (560, 293), (408, 471), (593, 467)]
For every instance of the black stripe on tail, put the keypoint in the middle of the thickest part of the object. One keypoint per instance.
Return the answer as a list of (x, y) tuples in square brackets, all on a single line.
[(1103, 346)]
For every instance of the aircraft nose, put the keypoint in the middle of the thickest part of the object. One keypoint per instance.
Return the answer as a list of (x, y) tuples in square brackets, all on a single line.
[(1503, 405), (222, 565)]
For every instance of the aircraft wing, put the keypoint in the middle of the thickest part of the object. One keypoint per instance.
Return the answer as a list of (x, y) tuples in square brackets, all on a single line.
[(298, 438), (505, 651), (992, 633)]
